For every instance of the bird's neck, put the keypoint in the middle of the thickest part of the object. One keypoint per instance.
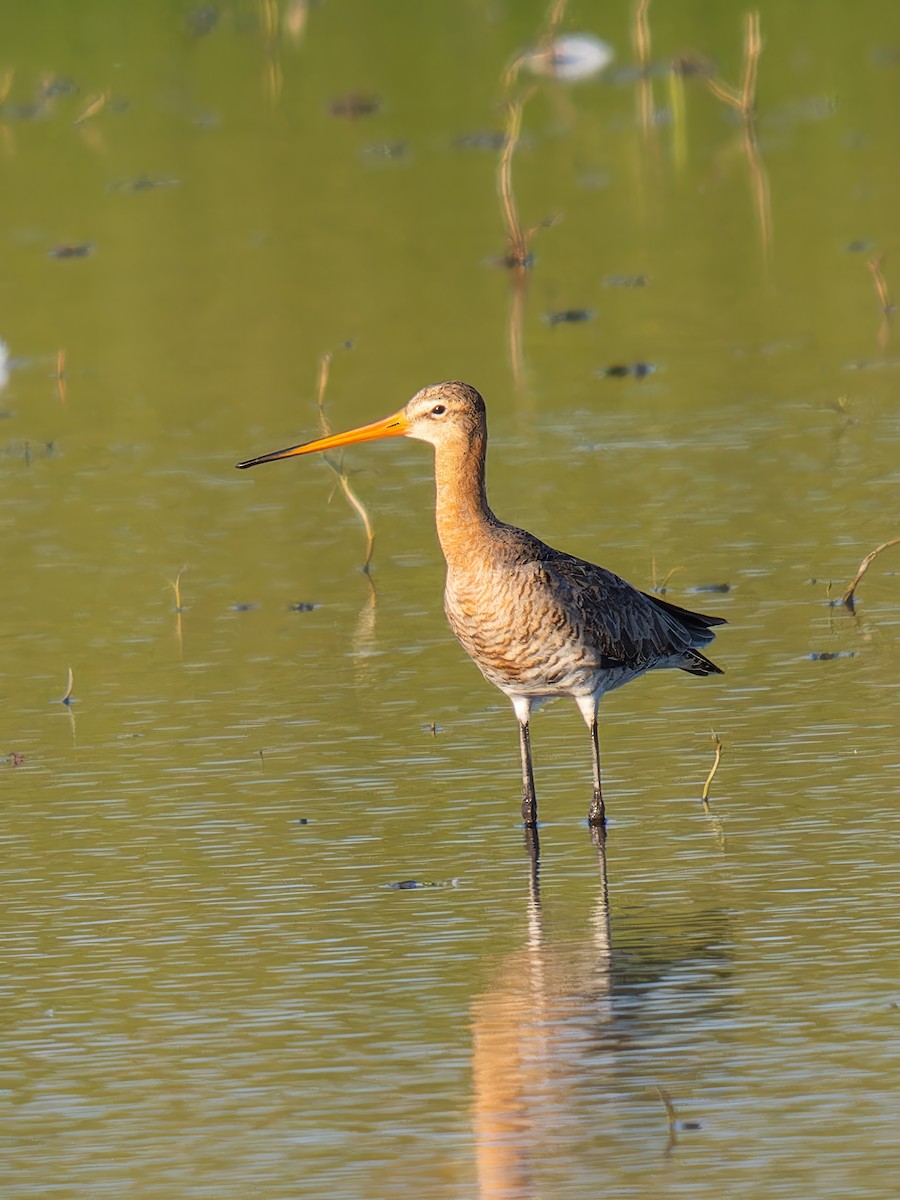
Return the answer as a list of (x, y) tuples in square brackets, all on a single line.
[(464, 520)]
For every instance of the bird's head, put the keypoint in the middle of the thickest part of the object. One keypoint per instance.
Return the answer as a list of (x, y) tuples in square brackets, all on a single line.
[(443, 413)]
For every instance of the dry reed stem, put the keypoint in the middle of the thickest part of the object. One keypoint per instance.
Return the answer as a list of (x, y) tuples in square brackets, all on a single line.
[(268, 20), (515, 335), (66, 697), (93, 108), (884, 299), (761, 193), (874, 265), (659, 588), (544, 41), (175, 585), (516, 242), (61, 374), (671, 1118), (640, 37), (752, 51), (705, 793), (723, 91), (554, 20), (6, 81), (745, 99), (848, 597), (337, 465)]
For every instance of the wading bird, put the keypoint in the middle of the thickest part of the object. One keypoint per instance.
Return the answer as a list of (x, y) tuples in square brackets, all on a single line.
[(538, 622)]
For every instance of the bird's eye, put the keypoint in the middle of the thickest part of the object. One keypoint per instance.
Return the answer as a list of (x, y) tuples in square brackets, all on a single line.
[(438, 410)]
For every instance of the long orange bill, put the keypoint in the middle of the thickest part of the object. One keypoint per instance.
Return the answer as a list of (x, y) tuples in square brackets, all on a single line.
[(393, 426)]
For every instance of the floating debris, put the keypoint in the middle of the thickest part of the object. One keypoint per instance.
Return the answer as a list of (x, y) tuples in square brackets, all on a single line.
[(72, 250), (408, 885), (302, 606), (488, 139), (828, 655), (202, 20), (860, 246), (15, 759), (22, 448), (515, 261), (244, 607), (885, 56), (385, 150), (569, 316), (143, 183), (58, 85), (626, 281), (711, 587), (26, 112), (595, 180), (874, 364), (354, 106), (693, 66), (571, 58), (621, 370)]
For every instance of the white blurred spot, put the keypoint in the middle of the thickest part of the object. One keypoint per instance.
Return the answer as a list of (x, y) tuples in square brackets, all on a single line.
[(571, 58)]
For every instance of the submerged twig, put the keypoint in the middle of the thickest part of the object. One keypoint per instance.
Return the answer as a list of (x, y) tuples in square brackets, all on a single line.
[(337, 465), (848, 597), (704, 796)]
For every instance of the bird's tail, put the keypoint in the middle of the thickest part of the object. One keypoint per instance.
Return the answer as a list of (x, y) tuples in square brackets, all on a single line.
[(696, 625), (696, 663)]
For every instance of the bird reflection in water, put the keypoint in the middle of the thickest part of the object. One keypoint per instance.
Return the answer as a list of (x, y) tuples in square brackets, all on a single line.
[(555, 1033), (530, 1033)]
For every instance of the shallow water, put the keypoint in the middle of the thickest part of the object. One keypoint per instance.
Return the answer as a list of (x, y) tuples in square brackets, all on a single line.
[(210, 987)]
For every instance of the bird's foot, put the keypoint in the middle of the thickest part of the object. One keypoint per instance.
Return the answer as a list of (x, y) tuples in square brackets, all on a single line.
[(597, 812)]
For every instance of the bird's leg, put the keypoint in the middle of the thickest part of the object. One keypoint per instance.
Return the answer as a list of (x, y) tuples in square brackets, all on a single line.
[(529, 799), (597, 812), (588, 707), (522, 706)]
